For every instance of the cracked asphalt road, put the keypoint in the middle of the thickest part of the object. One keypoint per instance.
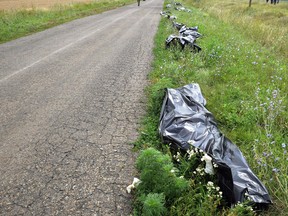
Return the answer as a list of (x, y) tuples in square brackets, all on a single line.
[(71, 98)]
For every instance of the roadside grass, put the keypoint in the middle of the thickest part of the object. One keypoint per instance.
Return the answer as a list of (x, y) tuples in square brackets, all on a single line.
[(263, 22), (18, 23), (244, 80)]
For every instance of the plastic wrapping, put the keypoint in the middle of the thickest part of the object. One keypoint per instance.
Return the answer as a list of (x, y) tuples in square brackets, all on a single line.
[(177, 25), (183, 41), (184, 119), (193, 31), (187, 36)]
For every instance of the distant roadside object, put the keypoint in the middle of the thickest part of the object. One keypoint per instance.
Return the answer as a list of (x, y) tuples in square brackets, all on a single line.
[(138, 1), (273, 1), (187, 36)]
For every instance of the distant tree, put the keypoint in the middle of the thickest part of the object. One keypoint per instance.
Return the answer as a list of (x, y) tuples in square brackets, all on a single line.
[(250, 2)]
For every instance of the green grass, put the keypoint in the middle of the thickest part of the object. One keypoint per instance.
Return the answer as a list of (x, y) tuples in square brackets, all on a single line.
[(18, 23), (264, 23), (242, 73)]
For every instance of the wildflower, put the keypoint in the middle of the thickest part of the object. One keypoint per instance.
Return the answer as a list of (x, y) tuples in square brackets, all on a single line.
[(269, 135), (275, 170), (275, 93), (210, 184), (177, 156), (209, 166), (215, 165), (283, 145), (190, 153), (173, 170)]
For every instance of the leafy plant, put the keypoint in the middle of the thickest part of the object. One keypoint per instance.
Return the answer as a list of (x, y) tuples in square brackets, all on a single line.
[(153, 205), (156, 175)]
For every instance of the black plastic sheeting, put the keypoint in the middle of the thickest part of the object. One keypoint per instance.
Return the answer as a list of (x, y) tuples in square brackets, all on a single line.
[(183, 41), (177, 25), (184, 118), (187, 37)]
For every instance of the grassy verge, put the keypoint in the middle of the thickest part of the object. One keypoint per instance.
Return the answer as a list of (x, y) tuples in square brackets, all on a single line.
[(262, 22), (18, 23), (244, 80)]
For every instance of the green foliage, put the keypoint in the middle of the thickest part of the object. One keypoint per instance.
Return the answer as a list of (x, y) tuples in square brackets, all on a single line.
[(153, 205), (156, 176), (241, 209)]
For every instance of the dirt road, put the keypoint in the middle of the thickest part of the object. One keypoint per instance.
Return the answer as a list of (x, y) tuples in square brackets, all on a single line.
[(70, 101)]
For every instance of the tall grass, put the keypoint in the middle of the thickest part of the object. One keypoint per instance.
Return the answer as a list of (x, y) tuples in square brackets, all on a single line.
[(263, 22), (18, 23), (243, 75)]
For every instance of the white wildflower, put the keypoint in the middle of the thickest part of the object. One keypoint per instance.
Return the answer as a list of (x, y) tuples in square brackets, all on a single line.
[(173, 170), (215, 165), (210, 184), (190, 153), (177, 156)]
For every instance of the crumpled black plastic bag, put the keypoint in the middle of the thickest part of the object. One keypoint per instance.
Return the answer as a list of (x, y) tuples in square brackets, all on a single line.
[(184, 118), (188, 40), (193, 31), (187, 37), (177, 25)]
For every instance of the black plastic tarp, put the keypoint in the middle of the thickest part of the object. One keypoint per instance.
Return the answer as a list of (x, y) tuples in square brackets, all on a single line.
[(187, 36), (184, 119)]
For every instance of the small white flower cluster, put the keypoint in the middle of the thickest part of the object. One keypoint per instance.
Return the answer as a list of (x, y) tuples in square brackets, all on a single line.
[(242, 205), (199, 171), (190, 153), (215, 190), (174, 170), (135, 183), (177, 157)]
